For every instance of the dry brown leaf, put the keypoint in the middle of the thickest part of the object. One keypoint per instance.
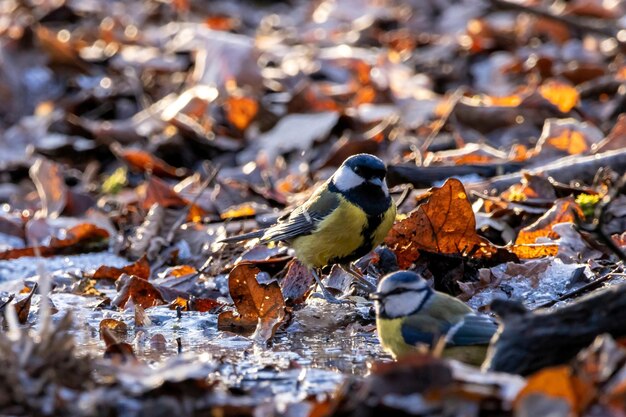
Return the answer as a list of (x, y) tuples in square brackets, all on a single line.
[(297, 284), (22, 307), (159, 192), (83, 238), (143, 161), (142, 292), (260, 307), (444, 223), (564, 210), (118, 327), (140, 268)]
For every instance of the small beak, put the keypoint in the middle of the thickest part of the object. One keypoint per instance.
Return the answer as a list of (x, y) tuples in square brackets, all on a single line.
[(376, 181), (376, 296)]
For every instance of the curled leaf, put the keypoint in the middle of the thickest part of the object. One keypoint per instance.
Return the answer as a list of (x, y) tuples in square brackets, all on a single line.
[(141, 269), (260, 307)]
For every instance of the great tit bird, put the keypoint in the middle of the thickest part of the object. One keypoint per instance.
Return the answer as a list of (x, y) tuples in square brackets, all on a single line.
[(343, 220), (410, 315)]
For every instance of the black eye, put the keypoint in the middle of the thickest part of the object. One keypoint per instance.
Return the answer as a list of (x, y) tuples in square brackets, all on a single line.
[(357, 170)]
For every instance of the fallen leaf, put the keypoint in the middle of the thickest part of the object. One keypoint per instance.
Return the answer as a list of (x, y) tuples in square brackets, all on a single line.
[(116, 326), (83, 238), (143, 161), (297, 283), (564, 210), (140, 268), (142, 292), (22, 307), (531, 187), (260, 307), (159, 192), (241, 111), (562, 137), (443, 223), (562, 95), (50, 185), (555, 382), (116, 350), (141, 318), (243, 210)]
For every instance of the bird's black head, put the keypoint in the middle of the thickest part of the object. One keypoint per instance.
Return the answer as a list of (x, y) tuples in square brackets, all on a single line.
[(358, 171), (361, 180), (366, 166)]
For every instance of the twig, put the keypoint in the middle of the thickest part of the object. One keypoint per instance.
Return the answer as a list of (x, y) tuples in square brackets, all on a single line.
[(405, 195), (452, 102), (579, 291), (183, 215)]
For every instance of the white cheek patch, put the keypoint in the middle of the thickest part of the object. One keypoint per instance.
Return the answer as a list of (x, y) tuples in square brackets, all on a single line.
[(401, 305), (345, 179)]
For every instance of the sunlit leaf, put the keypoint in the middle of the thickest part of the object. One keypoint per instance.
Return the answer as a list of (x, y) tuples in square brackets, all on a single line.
[(260, 307), (244, 210), (116, 326), (142, 161), (241, 111), (140, 268), (443, 223), (564, 210), (83, 238), (556, 382), (564, 96)]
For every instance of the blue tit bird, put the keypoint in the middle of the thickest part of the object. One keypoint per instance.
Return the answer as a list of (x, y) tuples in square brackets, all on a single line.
[(411, 315), (343, 220)]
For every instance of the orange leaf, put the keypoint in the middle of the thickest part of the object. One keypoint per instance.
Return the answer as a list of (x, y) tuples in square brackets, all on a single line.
[(241, 111), (117, 326), (556, 382), (243, 210), (141, 268), (259, 306), (85, 237), (562, 95), (533, 251), (564, 210), (143, 161), (181, 271), (445, 223), (143, 292), (504, 101), (569, 141), (159, 192), (203, 304)]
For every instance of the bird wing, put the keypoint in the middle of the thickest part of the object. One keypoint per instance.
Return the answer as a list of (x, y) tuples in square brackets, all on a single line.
[(449, 317), (474, 329), (305, 219)]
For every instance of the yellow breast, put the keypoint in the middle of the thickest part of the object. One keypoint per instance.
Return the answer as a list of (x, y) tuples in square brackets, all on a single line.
[(390, 336), (338, 235)]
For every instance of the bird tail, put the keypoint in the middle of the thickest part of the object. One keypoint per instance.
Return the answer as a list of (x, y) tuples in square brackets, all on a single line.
[(245, 236)]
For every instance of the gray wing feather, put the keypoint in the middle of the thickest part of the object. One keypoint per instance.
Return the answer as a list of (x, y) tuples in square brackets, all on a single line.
[(474, 329), (305, 219)]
